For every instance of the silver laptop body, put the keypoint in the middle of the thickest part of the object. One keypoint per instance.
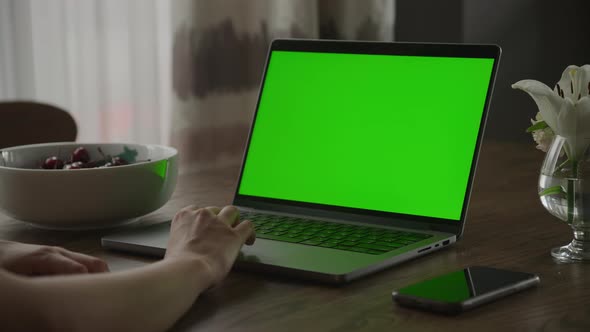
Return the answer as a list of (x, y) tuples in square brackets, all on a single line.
[(306, 252)]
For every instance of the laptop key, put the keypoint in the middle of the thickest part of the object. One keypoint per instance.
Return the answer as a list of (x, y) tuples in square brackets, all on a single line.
[(318, 239), (278, 233), (279, 238), (308, 233), (311, 242), (390, 245), (388, 240)]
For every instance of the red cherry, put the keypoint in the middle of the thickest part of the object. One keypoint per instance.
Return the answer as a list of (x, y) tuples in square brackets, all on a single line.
[(80, 154), (52, 163)]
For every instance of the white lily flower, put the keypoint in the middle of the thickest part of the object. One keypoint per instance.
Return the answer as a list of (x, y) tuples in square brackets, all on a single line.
[(566, 108), (542, 136)]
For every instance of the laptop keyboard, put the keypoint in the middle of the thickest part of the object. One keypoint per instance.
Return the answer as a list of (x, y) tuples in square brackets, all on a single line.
[(363, 239)]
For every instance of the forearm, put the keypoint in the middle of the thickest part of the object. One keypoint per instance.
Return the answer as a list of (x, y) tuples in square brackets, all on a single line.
[(150, 298)]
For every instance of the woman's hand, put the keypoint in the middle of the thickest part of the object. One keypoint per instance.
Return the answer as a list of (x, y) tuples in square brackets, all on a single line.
[(211, 235), (32, 260)]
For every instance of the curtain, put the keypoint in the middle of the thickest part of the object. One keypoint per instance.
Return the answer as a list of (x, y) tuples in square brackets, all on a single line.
[(105, 61), (219, 49), (184, 72)]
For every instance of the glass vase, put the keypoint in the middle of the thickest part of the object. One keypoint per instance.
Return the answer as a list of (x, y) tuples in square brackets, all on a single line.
[(565, 192)]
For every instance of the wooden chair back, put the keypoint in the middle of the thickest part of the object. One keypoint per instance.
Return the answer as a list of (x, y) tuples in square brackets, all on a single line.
[(27, 122)]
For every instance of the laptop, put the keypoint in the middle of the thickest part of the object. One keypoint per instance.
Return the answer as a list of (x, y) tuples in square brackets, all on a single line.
[(361, 155)]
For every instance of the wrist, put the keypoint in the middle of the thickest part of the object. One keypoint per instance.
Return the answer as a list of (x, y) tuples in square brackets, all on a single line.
[(195, 267)]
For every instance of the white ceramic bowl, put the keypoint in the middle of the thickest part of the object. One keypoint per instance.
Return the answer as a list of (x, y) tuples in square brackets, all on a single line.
[(85, 198)]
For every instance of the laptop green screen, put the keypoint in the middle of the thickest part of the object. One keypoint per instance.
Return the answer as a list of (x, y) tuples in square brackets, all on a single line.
[(377, 132)]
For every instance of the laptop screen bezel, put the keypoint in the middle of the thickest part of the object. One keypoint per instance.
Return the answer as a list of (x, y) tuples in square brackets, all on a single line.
[(381, 48)]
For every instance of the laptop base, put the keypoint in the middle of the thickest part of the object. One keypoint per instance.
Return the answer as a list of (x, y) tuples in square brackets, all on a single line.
[(290, 259)]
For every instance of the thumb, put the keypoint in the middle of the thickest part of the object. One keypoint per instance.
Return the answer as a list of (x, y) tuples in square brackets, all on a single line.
[(246, 231)]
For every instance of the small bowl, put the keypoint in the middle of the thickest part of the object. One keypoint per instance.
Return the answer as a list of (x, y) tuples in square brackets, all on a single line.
[(86, 198)]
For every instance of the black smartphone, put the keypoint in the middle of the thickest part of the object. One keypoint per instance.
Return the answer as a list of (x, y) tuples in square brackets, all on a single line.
[(465, 289)]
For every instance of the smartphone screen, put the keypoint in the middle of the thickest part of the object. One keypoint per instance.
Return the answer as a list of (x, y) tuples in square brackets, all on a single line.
[(463, 289)]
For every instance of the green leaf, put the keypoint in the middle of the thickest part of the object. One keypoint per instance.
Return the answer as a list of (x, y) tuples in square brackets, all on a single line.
[(555, 190), (537, 126), (128, 155)]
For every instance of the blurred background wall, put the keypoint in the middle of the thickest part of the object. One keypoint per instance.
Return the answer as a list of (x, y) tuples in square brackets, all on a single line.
[(539, 38)]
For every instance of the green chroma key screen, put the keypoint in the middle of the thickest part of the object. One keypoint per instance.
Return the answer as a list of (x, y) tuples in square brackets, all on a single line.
[(377, 132)]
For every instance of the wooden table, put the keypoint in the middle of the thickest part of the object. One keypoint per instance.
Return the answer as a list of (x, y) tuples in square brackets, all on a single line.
[(507, 227)]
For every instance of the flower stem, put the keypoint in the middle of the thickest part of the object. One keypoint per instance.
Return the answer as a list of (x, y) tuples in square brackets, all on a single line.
[(562, 165), (571, 192)]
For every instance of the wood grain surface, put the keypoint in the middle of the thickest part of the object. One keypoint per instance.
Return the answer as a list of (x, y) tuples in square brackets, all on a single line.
[(506, 227)]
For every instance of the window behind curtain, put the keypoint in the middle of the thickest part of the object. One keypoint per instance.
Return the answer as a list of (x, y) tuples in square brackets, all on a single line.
[(105, 61)]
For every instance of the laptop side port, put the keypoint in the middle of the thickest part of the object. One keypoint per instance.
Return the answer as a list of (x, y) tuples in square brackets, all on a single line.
[(424, 249), (446, 242)]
